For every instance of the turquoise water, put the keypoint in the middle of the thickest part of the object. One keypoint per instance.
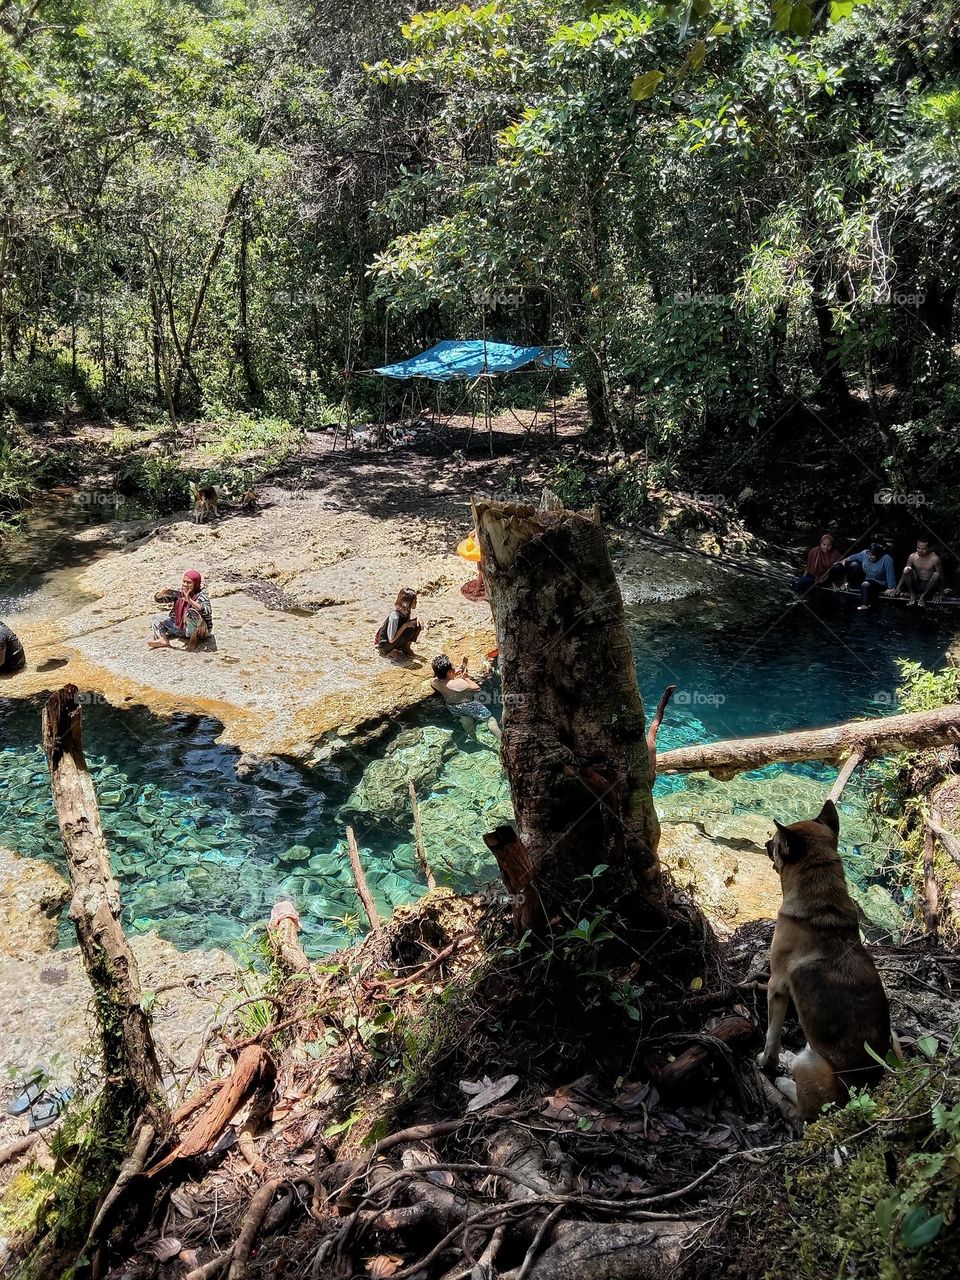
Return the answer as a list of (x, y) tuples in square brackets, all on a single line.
[(202, 855)]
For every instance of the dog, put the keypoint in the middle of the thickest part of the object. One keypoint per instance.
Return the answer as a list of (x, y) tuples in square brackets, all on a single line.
[(205, 504), (818, 961)]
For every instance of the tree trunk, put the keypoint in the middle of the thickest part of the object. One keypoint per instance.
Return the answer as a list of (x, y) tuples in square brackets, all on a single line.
[(244, 344), (132, 1079), (573, 733), (917, 731), (213, 257)]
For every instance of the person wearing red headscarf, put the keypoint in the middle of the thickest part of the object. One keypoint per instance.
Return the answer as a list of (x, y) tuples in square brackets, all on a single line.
[(190, 617)]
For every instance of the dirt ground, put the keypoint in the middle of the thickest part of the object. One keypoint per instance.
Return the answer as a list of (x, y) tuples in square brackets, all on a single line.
[(299, 587)]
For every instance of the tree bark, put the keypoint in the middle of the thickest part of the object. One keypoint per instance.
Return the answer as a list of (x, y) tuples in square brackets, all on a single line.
[(573, 747), (213, 257), (885, 736), (132, 1079)]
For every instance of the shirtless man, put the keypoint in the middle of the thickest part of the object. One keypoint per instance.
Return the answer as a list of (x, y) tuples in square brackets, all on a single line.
[(922, 574), (458, 692)]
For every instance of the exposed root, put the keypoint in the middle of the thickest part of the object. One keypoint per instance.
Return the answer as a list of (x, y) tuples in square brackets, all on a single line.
[(251, 1225)]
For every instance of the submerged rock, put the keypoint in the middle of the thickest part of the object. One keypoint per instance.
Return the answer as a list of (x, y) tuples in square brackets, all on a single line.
[(415, 755), (731, 886), (32, 898)]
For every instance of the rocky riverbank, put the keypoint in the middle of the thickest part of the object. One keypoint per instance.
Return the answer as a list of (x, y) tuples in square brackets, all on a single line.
[(46, 999)]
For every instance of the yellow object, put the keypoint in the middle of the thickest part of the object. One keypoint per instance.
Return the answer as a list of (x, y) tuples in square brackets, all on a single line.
[(469, 549)]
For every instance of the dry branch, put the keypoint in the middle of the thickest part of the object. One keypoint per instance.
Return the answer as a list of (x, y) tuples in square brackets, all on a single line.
[(931, 891), (844, 776), (254, 1072), (655, 724), (724, 760), (133, 1081), (949, 841), (421, 848), (363, 889)]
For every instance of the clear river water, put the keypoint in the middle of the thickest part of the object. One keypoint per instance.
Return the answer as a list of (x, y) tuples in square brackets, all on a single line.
[(201, 854)]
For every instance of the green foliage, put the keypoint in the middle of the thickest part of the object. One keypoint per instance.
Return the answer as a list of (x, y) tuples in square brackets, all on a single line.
[(876, 1183), (247, 434), (44, 384), (922, 690), (157, 479)]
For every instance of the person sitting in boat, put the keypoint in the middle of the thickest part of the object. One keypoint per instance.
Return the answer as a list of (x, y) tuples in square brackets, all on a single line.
[(820, 560), (922, 575), (12, 656), (870, 572), (190, 617), (400, 628), (459, 693)]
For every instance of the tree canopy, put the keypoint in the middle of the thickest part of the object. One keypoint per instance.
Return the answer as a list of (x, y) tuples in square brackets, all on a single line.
[(741, 218)]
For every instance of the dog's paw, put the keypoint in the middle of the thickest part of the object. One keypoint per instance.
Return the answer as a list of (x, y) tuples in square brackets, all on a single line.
[(766, 1062)]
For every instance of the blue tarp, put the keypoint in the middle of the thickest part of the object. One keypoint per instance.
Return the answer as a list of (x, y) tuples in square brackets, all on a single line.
[(449, 360)]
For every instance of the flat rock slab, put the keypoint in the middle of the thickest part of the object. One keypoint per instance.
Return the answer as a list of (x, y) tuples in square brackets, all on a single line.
[(280, 680), (46, 998)]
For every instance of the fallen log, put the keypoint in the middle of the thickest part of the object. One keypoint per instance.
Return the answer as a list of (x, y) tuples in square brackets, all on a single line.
[(915, 731), (133, 1082)]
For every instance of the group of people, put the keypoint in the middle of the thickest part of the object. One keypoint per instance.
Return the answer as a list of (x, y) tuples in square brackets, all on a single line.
[(871, 572), (461, 694)]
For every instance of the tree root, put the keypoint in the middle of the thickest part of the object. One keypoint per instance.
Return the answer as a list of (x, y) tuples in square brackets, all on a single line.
[(609, 1251), (256, 1212), (132, 1166)]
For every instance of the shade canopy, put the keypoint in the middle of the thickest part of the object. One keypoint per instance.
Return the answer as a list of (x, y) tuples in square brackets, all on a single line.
[(450, 360)]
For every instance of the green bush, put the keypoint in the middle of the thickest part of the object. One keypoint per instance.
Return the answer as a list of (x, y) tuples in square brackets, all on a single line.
[(873, 1188), (157, 480), (248, 434), (47, 384), (922, 690)]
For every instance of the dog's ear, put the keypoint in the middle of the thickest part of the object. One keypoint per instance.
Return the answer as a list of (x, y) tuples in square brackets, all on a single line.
[(785, 846), (829, 817)]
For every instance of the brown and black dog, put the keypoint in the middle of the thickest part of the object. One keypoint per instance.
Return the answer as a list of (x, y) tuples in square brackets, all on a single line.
[(818, 961)]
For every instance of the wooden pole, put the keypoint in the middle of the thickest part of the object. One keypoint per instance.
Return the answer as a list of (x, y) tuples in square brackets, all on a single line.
[(418, 832), (844, 776), (132, 1078), (360, 880), (884, 736)]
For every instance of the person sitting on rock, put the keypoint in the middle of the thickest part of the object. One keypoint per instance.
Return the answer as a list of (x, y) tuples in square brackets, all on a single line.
[(459, 693), (400, 628), (190, 617), (820, 560), (922, 574), (12, 656)]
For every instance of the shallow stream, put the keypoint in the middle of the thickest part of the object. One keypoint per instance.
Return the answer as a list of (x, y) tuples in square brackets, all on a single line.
[(202, 853)]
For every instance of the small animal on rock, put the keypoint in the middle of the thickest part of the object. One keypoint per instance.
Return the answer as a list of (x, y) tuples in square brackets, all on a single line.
[(818, 961), (205, 504)]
